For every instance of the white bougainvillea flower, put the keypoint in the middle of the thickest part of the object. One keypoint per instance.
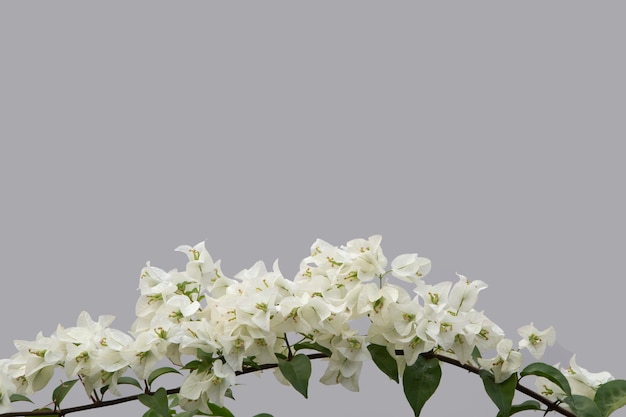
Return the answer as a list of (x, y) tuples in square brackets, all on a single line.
[(549, 389), (482, 332), (352, 346), (370, 299), (583, 382), (536, 340), (464, 294), (203, 270), (434, 296), (344, 371), (505, 364), (7, 386), (410, 267), (201, 387), (38, 359), (366, 260)]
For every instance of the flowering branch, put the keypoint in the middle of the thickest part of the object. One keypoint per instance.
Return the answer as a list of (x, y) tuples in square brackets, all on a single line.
[(231, 326), (551, 406)]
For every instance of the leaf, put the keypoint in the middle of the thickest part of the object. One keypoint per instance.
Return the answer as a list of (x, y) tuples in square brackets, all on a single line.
[(502, 393), (475, 355), (61, 391), (582, 406), (126, 380), (19, 397), (204, 356), (156, 402), (250, 363), (263, 415), (186, 414), (526, 405), (220, 411), (420, 381), (229, 393), (385, 362), (550, 373), (313, 346), (161, 371), (297, 371), (203, 363), (610, 396), (123, 380), (52, 412)]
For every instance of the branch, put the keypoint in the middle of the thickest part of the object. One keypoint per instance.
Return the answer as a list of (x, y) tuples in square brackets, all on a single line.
[(60, 413), (521, 388)]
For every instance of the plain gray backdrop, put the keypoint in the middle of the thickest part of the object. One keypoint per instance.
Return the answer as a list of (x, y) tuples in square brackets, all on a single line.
[(487, 136)]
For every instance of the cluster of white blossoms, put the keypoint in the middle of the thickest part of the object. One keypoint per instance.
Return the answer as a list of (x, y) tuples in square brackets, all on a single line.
[(254, 316)]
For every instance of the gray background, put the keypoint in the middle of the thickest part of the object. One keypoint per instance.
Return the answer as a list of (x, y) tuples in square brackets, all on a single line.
[(483, 135)]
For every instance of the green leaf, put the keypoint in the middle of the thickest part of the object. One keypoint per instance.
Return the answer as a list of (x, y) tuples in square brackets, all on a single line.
[(583, 406), (123, 380), (250, 363), (475, 355), (385, 362), (297, 371), (19, 397), (203, 363), (193, 365), (502, 393), (263, 415), (420, 381), (186, 414), (126, 380), (204, 356), (526, 405), (550, 373), (220, 411), (61, 391), (313, 346), (53, 413), (157, 402), (610, 396), (161, 371), (229, 393)]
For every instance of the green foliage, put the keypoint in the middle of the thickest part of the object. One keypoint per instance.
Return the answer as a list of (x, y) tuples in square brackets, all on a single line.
[(160, 371), (204, 362), (123, 380), (19, 397), (548, 372), (263, 415), (526, 405), (156, 402), (297, 371), (583, 406), (385, 362), (611, 396), (313, 346), (61, 391), (420, 381), (216, 410), (500, 393), (476, 354), (229, 394), (250, 363), (186, 414), (41, 410), (126, 380)]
